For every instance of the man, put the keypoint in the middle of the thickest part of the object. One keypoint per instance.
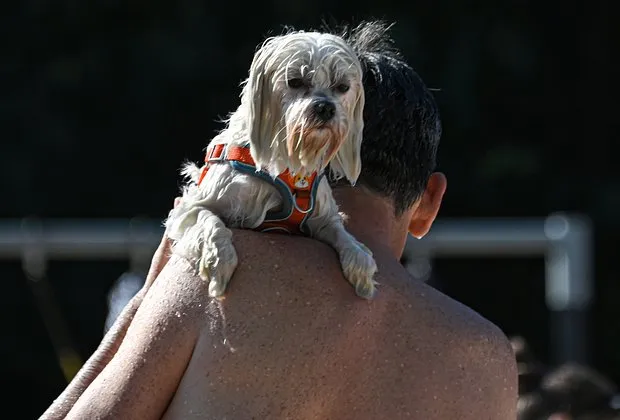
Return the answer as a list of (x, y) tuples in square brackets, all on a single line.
[(571, 392), (291, 339)]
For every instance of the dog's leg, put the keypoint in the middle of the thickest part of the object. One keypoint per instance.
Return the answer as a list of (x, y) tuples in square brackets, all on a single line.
[(358, 264), (201, 236)]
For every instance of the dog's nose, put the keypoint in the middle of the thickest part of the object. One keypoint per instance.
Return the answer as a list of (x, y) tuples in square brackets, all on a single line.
[(324, 109)]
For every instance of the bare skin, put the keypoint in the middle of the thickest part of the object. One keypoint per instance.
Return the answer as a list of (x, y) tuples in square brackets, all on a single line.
[(111, 342), (291, 339)]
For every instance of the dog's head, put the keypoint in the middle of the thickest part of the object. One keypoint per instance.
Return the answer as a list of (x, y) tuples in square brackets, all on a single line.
[(303, 104)]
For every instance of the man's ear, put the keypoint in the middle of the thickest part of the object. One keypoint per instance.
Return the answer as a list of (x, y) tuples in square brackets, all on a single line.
[(424, 215)]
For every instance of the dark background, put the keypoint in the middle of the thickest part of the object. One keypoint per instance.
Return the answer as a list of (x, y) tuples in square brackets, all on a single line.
[(100, 102)]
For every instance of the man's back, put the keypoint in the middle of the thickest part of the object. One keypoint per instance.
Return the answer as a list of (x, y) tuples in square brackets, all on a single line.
[(292, 341)]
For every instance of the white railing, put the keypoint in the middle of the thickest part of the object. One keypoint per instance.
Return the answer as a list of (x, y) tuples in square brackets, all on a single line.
[(564, 241)]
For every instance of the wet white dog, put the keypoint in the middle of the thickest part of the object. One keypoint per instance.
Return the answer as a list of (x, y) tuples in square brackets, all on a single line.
[(301, 108)]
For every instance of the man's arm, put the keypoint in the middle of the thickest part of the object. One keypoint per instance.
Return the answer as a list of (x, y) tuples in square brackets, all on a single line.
[(111, 341), (143, 375), (96, 363)]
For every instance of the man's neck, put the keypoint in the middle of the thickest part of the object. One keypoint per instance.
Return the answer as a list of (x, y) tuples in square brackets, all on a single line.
[(371, 220)]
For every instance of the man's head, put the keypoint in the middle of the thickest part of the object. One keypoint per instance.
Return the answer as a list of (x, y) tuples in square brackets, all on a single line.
[(531, 370), (401, 130), (571, 392)]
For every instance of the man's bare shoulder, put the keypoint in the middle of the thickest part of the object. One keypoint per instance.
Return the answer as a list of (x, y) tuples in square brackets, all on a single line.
[(281, 261), (285, 266), (304, 267), (436, 332), (288, 292), (457, 322)]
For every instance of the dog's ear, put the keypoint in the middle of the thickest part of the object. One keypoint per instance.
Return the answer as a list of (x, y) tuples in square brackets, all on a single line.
[(263, 110), (348, 161)]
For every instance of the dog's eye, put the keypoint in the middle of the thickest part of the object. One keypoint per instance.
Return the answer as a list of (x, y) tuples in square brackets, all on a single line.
[(295, 83), (342, 87)]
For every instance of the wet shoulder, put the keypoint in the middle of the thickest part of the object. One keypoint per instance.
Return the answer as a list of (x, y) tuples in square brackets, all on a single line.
[(303, 268), (296, 264), (466, 361), (442, 321)]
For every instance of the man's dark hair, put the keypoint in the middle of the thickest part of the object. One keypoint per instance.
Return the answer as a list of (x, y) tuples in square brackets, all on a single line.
[(401, 119)]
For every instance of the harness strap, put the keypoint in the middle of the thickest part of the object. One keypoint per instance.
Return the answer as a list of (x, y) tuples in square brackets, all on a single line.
[(298, 193), (224, 152)]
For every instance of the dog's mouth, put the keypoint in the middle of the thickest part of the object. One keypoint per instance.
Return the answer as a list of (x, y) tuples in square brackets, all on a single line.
[(312, 149), (321, 125)]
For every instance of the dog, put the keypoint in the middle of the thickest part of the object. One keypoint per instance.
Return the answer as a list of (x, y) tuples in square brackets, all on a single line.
[(301, 109)]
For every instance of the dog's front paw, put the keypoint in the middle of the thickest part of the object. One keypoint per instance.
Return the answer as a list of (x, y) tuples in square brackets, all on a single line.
[(359, 268), (218, 262)]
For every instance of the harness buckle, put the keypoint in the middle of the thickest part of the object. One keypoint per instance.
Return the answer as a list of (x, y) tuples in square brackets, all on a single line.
[(216, 153)]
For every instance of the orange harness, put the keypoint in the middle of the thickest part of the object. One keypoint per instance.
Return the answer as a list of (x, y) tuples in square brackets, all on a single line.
[(298, 193)]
